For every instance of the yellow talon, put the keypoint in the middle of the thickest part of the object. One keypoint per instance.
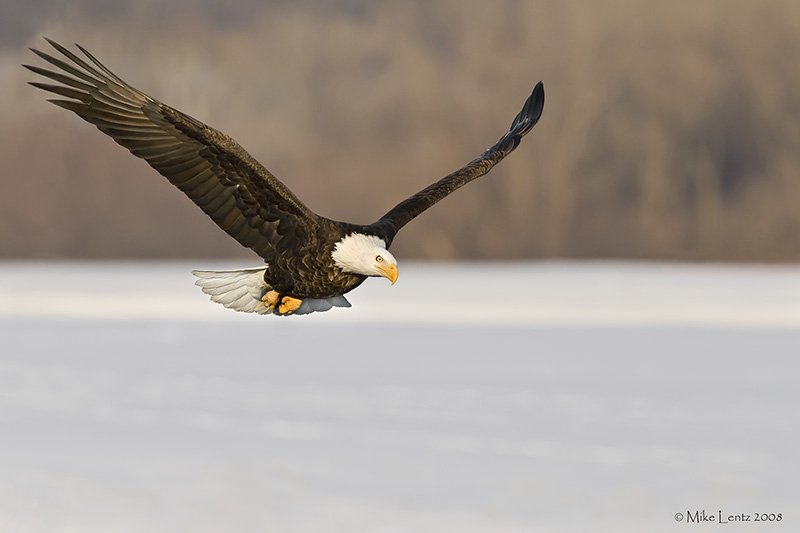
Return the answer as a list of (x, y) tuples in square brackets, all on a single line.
[(289, 304), (271, 299)]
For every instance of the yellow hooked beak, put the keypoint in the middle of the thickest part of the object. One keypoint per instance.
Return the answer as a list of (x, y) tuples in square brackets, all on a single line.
[(390, 272)]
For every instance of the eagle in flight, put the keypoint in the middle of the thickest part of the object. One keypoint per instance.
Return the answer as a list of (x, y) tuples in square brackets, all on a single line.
[(311, 261)]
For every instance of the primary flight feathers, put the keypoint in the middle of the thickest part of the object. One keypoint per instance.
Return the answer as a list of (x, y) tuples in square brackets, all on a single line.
[(311, 260)]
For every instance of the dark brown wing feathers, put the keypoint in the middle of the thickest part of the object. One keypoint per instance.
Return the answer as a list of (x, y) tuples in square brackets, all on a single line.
[(405, 211), (229, 185)]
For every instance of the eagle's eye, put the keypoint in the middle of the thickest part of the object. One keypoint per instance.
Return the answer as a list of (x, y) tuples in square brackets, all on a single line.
[(378, 259)]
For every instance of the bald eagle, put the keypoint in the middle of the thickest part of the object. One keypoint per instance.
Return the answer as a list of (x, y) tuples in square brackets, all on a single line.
[(311, 261)]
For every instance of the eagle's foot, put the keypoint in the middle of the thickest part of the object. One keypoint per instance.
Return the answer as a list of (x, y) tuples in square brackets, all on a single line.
[(271, 299), (289, 305)]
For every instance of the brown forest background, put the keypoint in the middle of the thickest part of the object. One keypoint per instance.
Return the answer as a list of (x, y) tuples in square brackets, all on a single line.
[(671, 128)]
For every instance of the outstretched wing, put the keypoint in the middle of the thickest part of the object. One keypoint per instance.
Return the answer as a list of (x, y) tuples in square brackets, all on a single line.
[(231, 187), (406, 210)]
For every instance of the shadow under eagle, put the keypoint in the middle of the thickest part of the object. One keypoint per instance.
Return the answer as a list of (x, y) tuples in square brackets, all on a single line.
[(311, 261)]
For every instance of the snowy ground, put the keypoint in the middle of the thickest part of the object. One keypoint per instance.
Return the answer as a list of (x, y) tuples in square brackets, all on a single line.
[(570, 397)]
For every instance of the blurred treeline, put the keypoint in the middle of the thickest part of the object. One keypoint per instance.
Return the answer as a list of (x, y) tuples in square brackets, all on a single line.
[(671, 128)]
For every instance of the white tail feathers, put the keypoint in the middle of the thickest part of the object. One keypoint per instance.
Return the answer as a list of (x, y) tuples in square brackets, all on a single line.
[(242, 290)]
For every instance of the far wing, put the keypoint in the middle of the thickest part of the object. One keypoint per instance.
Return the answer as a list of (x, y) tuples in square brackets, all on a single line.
[(406, 210), (228, 184)]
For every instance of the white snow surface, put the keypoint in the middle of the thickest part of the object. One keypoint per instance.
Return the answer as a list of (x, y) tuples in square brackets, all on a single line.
[(522, 397)]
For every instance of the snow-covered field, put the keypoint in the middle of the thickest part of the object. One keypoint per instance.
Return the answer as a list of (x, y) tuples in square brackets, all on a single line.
[(467, 398)]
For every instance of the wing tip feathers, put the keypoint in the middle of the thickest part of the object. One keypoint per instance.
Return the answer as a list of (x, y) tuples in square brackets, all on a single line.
[(531, 112)]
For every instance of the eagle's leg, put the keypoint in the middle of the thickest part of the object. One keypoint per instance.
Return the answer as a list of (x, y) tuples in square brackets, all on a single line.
[(271, 299), (289, 304)]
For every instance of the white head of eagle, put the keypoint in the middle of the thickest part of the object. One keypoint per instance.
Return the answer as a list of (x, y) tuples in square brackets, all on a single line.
[(365, 255)]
